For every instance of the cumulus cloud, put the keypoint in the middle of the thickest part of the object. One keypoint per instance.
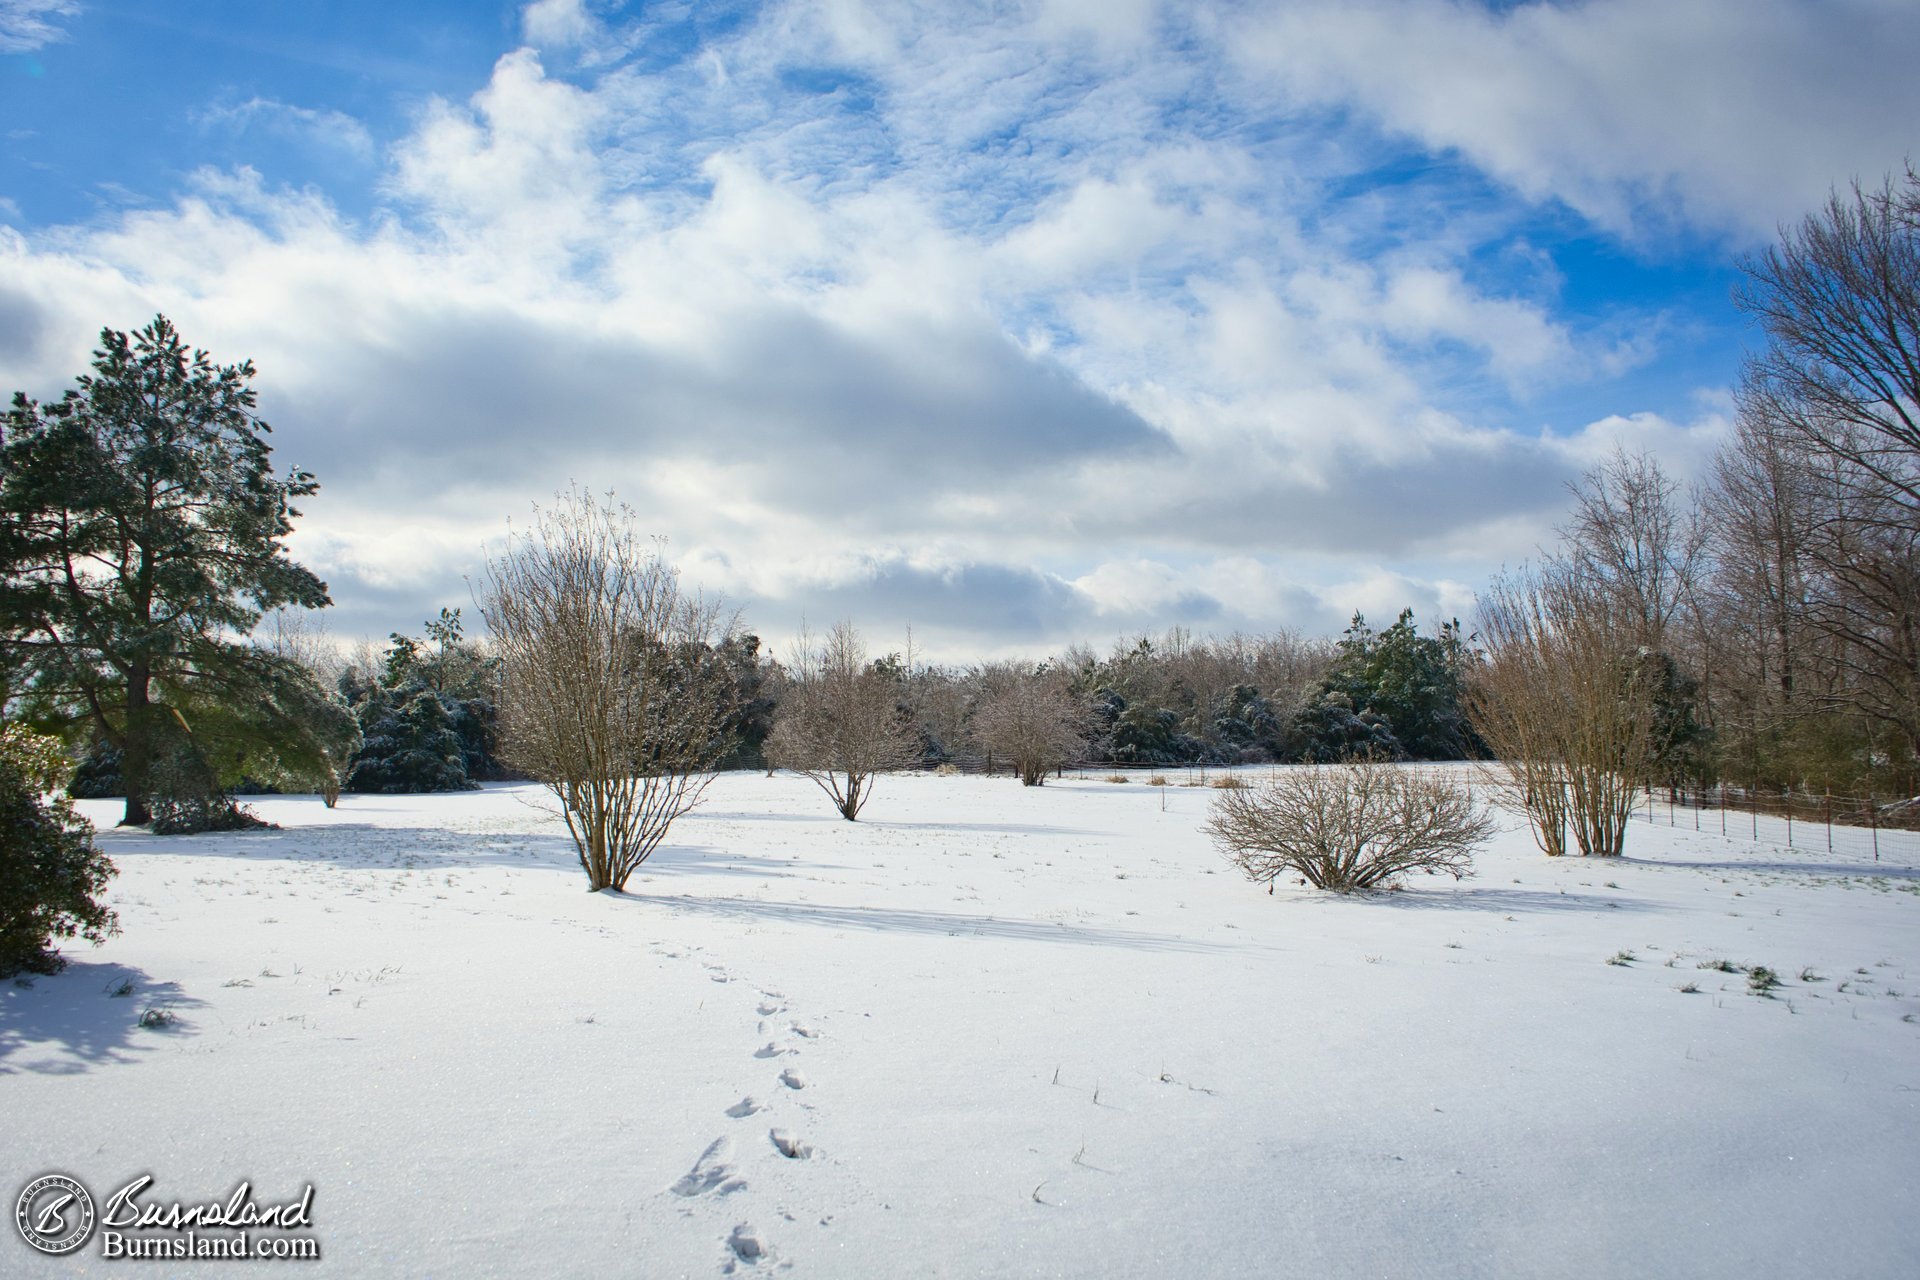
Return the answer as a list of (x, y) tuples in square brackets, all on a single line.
[(1016, 334)]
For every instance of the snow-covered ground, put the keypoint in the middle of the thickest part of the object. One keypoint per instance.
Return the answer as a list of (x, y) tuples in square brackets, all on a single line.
[(1006, 1031)]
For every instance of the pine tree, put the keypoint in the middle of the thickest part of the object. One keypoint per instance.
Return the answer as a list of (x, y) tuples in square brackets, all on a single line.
[(143, 536)]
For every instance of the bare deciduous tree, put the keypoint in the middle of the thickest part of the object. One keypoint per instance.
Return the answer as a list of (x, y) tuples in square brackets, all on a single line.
[(1758, 639), (839, 721), (613, 696), (1348, 827), (1837, 389), (1634, 537), (1029, 718)]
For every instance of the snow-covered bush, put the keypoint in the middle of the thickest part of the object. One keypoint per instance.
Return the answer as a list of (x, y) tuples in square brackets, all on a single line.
[(1347, 827), (51, 874), (409, 745)]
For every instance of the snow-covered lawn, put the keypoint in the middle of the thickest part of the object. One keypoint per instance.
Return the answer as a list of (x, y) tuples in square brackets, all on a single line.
[(1007, 1031)]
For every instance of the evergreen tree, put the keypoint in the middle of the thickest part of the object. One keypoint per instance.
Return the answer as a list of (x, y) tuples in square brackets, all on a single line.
[(1412, 682), (409, 746), (1678, 742), (452, 671), (143, 533), (51, 874), (1329, 729), (1248, 727), (756, 680)]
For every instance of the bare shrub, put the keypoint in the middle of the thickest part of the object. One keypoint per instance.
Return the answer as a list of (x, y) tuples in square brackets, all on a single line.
[(839, 721), (1347, 827), (612, 694), (1028, 717), (1565, 698)]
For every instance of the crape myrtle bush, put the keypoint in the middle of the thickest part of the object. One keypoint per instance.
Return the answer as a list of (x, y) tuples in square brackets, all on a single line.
[(1362, 824), (51, 875), (841, 723)]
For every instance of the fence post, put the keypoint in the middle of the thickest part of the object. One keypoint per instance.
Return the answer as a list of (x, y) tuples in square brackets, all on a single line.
[(1873, 820), (1789, 794), (1829, 819)]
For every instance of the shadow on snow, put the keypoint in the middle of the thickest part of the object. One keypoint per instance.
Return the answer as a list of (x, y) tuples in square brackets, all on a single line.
[(1510, 901), (1890, 871), (74, 1011), (930, 923), (354, 845)]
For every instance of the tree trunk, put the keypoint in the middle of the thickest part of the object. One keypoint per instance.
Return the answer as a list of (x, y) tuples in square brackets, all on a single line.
[(849, 805), (136, 762)]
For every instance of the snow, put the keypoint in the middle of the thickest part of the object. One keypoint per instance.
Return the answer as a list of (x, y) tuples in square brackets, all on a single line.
[(987, 1030)]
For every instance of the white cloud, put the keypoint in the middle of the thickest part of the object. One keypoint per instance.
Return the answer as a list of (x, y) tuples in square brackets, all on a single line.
[(515, 172), (557, 24), (26, 25), (332, 129), (1016, 335), (1520, 342), (1724, 114)]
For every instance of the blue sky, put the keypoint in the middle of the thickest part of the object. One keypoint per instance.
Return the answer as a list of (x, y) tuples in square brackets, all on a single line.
[(1019, 324)]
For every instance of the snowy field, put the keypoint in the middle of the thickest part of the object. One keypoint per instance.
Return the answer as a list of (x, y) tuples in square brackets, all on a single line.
[(1003, 1031)]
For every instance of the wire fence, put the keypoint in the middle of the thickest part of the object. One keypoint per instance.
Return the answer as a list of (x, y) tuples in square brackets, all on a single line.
[(1864, 827)]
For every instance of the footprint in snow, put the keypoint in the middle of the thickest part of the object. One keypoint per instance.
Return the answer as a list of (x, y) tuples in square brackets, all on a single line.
[(744, 1108), (747, 1244), (713, 1171), (788, 1145), (802, 1029), (768, 1050), (768, 1008), (793, 1079)]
